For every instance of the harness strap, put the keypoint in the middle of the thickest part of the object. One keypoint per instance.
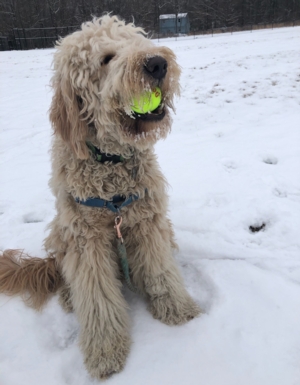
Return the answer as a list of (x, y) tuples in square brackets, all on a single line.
[(115, 205)]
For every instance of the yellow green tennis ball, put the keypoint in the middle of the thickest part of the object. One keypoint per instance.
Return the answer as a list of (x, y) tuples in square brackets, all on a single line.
[(147, 102)]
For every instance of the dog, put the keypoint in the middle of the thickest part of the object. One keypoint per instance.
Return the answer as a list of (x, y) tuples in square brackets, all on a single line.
[(109, 191)]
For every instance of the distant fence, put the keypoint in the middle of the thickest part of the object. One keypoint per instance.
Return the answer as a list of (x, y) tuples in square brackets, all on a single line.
[(232, 29), (252, 27), (31, 38)]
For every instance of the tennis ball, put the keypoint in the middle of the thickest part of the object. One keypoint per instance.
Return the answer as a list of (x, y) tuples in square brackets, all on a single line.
[(147, 102)]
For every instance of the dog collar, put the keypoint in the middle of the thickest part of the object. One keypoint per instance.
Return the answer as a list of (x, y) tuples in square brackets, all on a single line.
[(102, 157)]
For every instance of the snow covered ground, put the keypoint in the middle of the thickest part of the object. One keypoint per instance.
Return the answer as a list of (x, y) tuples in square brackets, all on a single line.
[(232, 161)]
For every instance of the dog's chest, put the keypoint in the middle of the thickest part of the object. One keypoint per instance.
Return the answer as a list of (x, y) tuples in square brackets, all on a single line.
[(121, 177), (89, 178)]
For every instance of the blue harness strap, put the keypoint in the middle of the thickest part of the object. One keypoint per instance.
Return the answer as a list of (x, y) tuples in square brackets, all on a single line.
[(115, 205)]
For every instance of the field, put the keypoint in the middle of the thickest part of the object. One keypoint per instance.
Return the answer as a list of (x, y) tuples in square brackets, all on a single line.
[(232, 162)]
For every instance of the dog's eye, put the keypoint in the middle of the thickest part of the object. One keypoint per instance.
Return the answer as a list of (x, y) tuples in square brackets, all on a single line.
[(107, 59)]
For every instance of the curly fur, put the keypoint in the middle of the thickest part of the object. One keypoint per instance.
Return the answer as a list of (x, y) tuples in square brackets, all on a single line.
[(91, 102)]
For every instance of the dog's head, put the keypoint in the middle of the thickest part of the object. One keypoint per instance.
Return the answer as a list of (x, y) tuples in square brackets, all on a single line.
[(98, 71)]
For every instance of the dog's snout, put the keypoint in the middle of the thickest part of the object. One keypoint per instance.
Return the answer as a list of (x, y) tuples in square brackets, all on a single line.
[(156, 67)]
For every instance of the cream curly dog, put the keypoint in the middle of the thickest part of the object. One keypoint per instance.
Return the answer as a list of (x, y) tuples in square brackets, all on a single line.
[(103, 155)]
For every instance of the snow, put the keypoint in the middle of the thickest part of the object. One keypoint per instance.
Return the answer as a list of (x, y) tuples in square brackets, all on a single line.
[(232, 161)]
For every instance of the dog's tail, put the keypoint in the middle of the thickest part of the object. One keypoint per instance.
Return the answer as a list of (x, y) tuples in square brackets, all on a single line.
[(32, 278)]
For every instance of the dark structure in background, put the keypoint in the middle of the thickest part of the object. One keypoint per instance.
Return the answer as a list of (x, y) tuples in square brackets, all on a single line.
[(31, 38), (37, 23), (174, 24)]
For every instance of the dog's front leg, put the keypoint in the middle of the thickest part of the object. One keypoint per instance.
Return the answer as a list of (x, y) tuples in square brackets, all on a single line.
[(155, 271), (91, 274)]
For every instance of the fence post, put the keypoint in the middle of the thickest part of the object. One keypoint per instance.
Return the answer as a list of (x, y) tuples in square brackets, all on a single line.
[(20, 41), (15, 41), (45, 40), (24, 34)]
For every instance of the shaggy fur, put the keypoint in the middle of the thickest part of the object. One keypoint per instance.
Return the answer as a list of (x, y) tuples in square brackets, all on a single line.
[(33, 278), (97, 72)]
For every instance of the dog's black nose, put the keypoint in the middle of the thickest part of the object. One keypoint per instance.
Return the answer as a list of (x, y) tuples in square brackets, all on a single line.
[(156, 66)]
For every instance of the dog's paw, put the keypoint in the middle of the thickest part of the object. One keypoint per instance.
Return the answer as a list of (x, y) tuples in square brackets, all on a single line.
[(108, 358), (171, 311)]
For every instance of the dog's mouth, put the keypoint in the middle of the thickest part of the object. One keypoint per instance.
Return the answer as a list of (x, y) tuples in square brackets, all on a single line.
[(158, 114), (149, 126)]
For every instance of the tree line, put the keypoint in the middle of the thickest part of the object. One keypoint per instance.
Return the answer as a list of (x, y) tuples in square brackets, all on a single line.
[(203, 14)]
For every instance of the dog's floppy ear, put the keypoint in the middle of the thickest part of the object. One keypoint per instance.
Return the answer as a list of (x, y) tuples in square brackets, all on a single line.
[(66, 120)]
